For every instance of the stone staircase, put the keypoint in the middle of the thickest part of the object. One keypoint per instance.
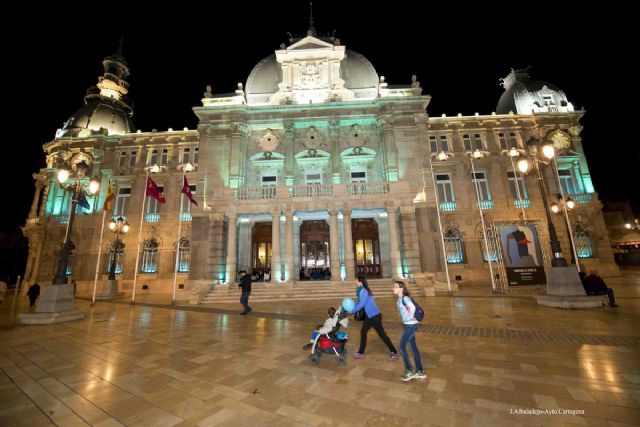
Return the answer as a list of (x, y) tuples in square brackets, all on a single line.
[(301, 291)]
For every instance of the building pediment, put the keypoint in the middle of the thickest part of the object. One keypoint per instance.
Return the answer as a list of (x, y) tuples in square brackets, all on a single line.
[(310, 42)]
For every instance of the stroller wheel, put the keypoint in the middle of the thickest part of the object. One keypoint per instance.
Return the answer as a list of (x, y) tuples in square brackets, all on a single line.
[(341, 360), (315, 359)]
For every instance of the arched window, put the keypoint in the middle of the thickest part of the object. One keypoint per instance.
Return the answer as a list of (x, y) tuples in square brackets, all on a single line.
[(453, 246), (491, 245), (119, 254), (183, 255), (150, 256), (582, 241)]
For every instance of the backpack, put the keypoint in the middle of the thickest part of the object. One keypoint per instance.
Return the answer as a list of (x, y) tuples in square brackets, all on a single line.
[(419, 313)]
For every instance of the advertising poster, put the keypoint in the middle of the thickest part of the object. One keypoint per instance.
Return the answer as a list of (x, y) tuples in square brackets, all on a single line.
[(522, 255)]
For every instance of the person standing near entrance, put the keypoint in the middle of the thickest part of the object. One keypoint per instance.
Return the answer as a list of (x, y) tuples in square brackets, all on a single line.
[(373, 319), (245, 285), (33, 293)]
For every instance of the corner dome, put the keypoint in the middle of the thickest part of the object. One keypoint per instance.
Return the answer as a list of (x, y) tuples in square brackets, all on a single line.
[(357, 72), (525, 96), (99, 113)]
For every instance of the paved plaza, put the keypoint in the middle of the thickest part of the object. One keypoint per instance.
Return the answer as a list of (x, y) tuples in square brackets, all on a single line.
[(491, 361)]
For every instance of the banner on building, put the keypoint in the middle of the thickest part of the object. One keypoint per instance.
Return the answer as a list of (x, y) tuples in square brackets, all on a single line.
[(522, 255)]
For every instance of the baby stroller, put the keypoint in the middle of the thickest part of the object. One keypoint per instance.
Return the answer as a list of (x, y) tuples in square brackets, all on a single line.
[(333, 342)]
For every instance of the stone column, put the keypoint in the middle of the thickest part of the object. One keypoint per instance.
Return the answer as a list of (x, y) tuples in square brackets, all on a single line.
[(36, 196), (288, 254), (276, 266), (45, 198), (289, 161), (335, 167), (396, 262), (388, 143), (232, 261), (348, 246), (334, 242)]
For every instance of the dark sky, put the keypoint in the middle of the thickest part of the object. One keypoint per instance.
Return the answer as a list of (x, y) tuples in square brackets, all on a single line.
[(173, 53)]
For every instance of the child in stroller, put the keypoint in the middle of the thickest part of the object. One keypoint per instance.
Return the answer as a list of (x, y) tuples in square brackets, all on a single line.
[(328, 338)]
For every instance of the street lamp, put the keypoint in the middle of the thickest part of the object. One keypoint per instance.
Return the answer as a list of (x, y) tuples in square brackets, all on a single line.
[(523, 164), (633, 227), (78, 192), (117, 226), (566, 205)]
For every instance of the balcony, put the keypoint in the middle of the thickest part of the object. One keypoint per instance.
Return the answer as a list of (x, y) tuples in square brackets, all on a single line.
[(310, 190), (486, 205), (185, 216), (152, 217), (62, 219), (364, 188), (448, 206), (525, 203), (581, 198), (251, 193)]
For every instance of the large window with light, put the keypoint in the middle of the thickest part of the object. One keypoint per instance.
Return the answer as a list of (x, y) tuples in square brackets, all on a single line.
[(453, 246), (358, 174), (313, 176), (567, 181), (153, 208), (132, 158), (118, 252), (516, 179), (186, 155), (122, 201), (164, 157), (153, 159), (150, 256), (183, 255), (186, 204), (445, 188), (582, 241)]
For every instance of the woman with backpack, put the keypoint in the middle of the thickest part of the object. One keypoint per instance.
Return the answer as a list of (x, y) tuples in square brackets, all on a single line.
[(373, 317), (407, 311)]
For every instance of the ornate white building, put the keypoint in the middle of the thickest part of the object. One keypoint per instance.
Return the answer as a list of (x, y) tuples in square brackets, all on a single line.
[(314, 163)]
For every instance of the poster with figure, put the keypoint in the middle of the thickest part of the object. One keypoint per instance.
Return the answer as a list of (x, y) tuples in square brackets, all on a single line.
[(522, 255)]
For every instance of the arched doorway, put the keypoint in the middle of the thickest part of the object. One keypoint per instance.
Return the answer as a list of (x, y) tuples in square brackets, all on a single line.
[(314, 250), (261, 246), (366, 247)]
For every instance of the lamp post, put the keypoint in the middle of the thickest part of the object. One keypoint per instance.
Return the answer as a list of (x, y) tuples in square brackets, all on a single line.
[(548, 151), (512, 154), (117, 226), (78, 191), (635, 226), (566, 204)]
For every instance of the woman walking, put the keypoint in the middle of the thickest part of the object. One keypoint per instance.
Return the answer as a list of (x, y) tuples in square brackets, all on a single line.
[(407, 311), (373, 317)]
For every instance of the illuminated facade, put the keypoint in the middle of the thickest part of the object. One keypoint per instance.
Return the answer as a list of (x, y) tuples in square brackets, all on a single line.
[(315, 164)]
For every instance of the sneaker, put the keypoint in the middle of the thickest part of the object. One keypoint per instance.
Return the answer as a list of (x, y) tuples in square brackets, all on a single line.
[(307, 346), (358, 356), (244, 312), (393, 357), (249, 309), (408, 376), (420, 375)]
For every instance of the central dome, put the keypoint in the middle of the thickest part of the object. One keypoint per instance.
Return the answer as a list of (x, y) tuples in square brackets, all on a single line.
[(357, 72)]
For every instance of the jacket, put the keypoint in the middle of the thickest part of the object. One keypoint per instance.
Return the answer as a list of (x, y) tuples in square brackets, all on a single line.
[(365, 299)]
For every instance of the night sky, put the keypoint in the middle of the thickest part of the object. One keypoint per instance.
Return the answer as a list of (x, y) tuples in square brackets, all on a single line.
[(174, 53)]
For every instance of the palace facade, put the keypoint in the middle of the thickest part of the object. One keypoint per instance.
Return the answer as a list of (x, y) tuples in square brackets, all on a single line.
[(315, 164)]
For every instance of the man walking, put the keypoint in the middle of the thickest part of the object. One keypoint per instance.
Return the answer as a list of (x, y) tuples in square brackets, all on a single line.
[(245, 285)]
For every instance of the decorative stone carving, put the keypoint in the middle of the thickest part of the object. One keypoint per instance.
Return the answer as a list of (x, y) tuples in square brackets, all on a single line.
[(357, 137), (310, 74), (208, 93), (312, 139), (269, 141), (560, 140), (82, 156)]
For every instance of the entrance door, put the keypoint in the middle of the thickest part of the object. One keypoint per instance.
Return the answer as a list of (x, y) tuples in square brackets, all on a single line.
[(261, 246), (314, 250), (366, 247)]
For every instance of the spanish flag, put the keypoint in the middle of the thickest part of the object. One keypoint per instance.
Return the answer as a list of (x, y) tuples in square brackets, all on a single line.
[(109, 199)]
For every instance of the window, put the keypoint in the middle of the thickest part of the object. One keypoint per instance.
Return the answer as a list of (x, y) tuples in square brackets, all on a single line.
[(153, 160), (313, 176), (477, 141), (195, 155), (512, 186), (132, 159), (444, 143), (492, 253), (445, 188), (358, 174), (433, 144), (153, 208), (123, 159), (186, 205), (164, 157), (122, 201), (466, 140), (548, 99), (269, 180), (513, 140), (453, 246), (183, 255), (582, 241), (186, 155), (483, 186), (567, 182), (502, 140), (150, 256), (119, 254)]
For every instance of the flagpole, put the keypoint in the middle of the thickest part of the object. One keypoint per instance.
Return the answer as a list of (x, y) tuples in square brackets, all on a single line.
[(95, 281), (175, 272), (135, 273)]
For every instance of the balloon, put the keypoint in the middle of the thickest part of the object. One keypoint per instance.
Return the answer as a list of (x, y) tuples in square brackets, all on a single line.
[(348, 305)]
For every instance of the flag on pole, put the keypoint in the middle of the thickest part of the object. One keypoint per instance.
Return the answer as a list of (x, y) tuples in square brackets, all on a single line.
[(82, 201), (109, 199), (154, 191), (187, 191)]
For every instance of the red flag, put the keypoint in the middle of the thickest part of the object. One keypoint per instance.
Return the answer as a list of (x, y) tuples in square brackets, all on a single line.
[(187, 191), (154, 191)]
